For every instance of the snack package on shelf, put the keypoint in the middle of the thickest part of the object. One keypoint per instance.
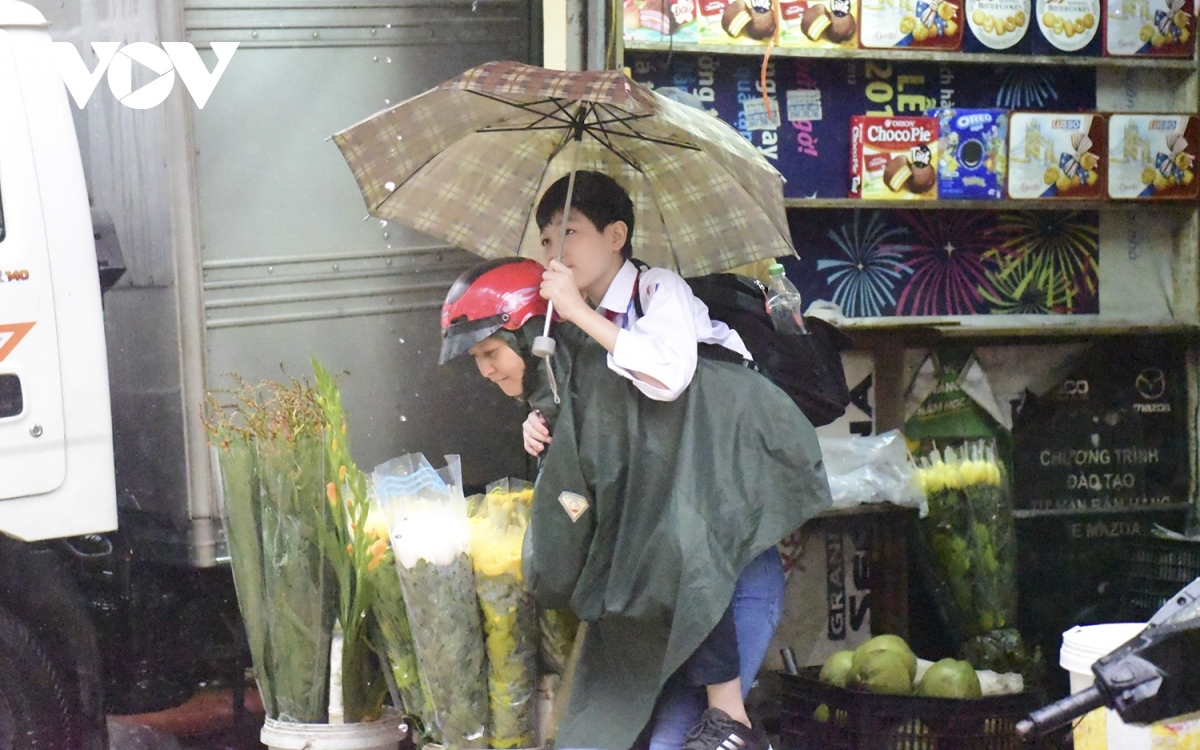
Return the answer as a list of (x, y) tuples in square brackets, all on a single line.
[(748, 22), (1153, 156), (661, 21), (1057, 155), (819, 24), (911, 24), (998, 26), (498, 520), (431, 539), (893, 158), (1155, 28), (973, 153), (1067, 27)]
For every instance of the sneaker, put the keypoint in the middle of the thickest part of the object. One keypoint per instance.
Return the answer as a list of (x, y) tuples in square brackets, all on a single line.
[(718, 731)]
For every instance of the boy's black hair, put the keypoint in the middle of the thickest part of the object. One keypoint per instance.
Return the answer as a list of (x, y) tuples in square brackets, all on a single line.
[(597, 196)]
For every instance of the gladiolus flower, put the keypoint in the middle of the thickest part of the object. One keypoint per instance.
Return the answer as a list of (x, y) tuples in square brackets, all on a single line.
[(341, 473), (331, 493), (374, 563), (379, 547)]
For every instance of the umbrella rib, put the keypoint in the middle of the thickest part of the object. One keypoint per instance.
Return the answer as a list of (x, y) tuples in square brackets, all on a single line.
[(566, 117)]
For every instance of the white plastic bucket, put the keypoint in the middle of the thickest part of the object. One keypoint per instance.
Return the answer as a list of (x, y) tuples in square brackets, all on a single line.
[(383, 734), (1102, 729)]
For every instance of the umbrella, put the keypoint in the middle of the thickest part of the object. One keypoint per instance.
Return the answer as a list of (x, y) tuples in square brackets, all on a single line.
[(466, 162)]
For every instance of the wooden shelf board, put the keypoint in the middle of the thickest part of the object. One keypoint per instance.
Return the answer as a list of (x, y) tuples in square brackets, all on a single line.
[(1067, 513), (1007, 326), (925, 55), (983, 205)]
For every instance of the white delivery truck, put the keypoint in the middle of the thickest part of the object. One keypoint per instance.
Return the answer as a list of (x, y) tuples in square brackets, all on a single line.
[(240, 244)]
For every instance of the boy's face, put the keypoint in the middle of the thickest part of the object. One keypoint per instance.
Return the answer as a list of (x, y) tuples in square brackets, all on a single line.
[(593, 254), (500, 364)]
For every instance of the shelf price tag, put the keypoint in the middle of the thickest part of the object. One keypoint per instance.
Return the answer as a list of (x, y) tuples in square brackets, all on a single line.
[(804, 104), (754, 112)]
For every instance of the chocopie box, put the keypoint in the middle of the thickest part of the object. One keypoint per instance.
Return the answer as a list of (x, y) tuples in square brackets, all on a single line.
[(1162, 28), (1153, 156), (819, 24), (893, 158), (748, 22), (1067, 27), (708, 21), (972, 153), (998, 26), (660, 20), (911, 24), (1056, 155)]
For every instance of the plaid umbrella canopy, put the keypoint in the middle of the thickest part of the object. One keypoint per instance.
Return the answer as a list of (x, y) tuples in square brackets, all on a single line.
[(466, 162)]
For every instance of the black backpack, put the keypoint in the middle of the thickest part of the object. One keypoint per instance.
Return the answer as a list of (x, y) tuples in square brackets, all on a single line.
[(807, 368)]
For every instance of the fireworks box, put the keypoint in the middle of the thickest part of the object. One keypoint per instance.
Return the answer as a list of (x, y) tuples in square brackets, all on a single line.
[(819, 23), (911, 24), (659, 20), (972, 153), (1153, 156), (1067, 27), (998, 26), (1162, 28), (893, 158), (1056, 155)]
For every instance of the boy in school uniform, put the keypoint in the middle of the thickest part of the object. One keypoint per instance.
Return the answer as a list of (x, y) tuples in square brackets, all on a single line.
[(652, 327)]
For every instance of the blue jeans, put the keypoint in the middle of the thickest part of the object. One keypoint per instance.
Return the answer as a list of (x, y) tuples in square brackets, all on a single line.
[(757, 603)]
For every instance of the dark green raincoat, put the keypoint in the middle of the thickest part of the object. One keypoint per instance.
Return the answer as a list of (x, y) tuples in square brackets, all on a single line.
[(646, 512)]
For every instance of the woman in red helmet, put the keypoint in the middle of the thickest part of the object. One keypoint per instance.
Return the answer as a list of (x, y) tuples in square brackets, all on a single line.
[(645, 512)]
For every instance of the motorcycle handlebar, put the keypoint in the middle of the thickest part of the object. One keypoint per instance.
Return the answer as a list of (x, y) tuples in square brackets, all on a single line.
[(1044, 720)]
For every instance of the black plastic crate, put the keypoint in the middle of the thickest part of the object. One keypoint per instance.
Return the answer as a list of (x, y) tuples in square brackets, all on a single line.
[(1157, 569), (855, 720)]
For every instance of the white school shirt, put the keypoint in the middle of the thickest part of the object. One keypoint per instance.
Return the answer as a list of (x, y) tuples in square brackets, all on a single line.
[(662, 342)]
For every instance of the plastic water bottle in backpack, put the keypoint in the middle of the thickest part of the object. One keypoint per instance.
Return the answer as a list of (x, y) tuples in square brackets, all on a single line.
[(784, 303)]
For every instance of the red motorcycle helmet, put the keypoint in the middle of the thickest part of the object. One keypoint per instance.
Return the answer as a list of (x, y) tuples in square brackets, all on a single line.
[(498, 294)]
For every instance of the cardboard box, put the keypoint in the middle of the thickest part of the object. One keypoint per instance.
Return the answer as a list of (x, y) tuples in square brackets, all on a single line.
[(1153, 156), (1057, 155), (998, 26), (911, 24), (973, 148), (660, 20), (1068, 27), (893, 158), (819, 24), (1157, 28)]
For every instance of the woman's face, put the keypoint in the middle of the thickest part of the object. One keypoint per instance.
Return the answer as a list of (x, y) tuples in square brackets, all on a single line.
[(500, 364)]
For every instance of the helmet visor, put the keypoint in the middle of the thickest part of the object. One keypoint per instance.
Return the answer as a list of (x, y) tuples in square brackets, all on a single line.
[(458, 338)]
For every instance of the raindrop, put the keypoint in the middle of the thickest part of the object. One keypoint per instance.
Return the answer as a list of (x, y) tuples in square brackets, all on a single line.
[(387, 60), (387, 101), (383, 222), (389, 247), (391, 300), (270, 269), (374, 32), (385, 235), (337, 267), (387, 26), (401, 341), (254, 34), (389, 260), (399, 137), (474, 6), (366, 217), (316, 35), (389, 186), (375, 58), (403, 418)]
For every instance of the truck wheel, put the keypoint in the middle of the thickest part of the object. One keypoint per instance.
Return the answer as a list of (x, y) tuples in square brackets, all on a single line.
[(34, 710)]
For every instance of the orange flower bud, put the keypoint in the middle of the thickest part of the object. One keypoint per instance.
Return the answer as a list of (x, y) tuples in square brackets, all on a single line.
[(350, 548), (331, 493), (353, 526), (333, 445), (374, 563), (341, 473), (379, 547)]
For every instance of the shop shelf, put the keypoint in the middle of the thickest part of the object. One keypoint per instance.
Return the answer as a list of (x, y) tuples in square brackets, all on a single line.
[(980, 205), (979, 58), (1157, 569), (1011, 326)]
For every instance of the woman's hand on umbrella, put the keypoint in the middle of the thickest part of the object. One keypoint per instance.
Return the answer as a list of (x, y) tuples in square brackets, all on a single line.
[(558, 286)]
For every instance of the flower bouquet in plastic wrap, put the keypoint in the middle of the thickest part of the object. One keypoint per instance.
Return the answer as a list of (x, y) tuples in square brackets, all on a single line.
[(510, 623), (969, 545), (268, 443), (430, 536)]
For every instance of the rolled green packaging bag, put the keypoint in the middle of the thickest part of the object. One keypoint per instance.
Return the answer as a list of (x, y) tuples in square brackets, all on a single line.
[(427, 520)]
